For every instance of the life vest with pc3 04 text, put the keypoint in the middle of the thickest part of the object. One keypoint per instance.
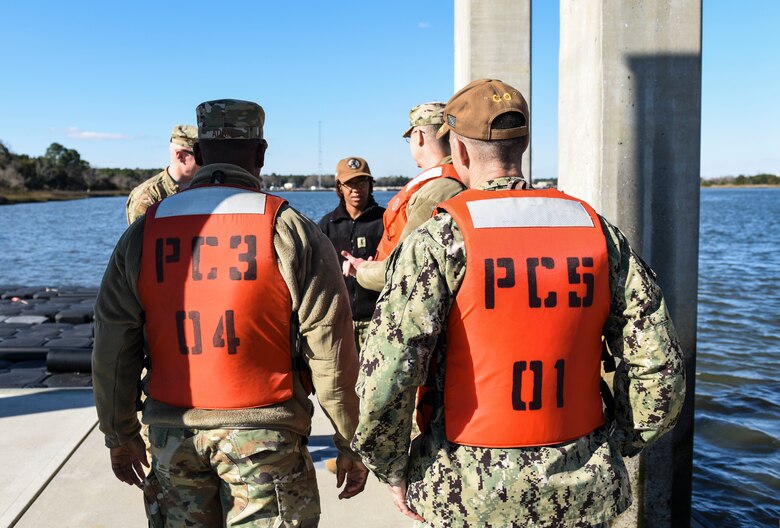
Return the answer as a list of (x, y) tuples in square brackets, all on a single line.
[(524, 333), (395, 219), (217, 309)]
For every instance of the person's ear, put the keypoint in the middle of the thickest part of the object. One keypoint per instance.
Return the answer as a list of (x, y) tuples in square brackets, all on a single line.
[(260, 153), (462, 152), (421, 138), (197, 154)]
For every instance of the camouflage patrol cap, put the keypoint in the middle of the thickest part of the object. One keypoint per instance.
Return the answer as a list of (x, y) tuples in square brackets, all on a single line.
[(472, 111), (425, 114), (350, 168), (185, 135), (230, 119)]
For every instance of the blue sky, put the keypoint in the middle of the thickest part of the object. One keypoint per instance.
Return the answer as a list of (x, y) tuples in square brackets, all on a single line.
[(111, 79)]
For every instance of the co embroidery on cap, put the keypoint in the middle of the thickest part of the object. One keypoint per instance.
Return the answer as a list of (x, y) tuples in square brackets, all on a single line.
[(497, 98), (353, 163)]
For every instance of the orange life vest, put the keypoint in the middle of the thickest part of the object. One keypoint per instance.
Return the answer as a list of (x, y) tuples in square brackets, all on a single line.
[(217, 309), (395, 219), (524, 332)]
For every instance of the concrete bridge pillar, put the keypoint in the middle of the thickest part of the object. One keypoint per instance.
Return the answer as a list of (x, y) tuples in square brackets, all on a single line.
[(629, 143), (493, 40)]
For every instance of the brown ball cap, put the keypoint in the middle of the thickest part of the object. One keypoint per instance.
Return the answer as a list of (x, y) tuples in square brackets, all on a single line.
[(471, 111), (350, 168)]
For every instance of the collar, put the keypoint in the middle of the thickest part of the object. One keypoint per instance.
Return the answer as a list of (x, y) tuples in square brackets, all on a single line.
[(341, 213), (505, 182), (170, 185), (228, 175)]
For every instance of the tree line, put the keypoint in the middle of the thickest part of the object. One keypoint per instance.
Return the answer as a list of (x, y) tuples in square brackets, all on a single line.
[(62, 169), (758, 179), (278, 181)]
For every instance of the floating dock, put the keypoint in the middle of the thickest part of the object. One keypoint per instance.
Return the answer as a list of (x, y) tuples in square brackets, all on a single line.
[(58, 472), (49, 424)]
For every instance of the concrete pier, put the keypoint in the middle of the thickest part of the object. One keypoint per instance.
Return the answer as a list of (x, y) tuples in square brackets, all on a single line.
[(493, 40), (60, 474), (629, 144)]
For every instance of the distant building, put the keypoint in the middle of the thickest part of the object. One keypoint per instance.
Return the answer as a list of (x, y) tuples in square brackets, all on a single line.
[(545, 184)]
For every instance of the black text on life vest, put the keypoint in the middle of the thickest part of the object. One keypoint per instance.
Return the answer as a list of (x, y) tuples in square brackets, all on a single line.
[(537, 269), (535, 369), (168, 251), (174, 256), (507, 281), (224, 333)]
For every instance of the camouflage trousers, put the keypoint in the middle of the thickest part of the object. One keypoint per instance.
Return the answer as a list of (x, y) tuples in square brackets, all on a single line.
[(151, 487), (578, 484), (234, 477)]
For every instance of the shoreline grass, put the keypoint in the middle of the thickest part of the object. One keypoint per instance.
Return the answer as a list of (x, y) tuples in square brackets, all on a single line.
[(11, 197)]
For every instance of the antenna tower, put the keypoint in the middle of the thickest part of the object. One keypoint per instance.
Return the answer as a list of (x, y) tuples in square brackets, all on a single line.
[(319, 154)]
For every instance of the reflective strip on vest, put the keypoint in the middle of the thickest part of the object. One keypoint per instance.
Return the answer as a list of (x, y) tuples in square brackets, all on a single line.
[(395, 219), (528, 212), (214, 201), (216, 306), (424, 176), (524, 332)]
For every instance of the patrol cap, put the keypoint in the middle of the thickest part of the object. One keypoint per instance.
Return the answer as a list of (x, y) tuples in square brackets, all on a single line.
[(230, 119), (472, 111), (350, 168), (425, 114), (185, 135)]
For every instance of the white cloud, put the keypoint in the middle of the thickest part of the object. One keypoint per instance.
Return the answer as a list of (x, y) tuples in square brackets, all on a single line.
[(75, 133), (423, 25)]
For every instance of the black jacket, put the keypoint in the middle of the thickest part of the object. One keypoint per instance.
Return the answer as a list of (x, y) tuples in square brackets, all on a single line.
[(360, 237)]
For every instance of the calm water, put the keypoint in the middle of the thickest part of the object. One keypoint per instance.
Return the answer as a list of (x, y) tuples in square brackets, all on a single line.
[(69, 243), (737, 444)]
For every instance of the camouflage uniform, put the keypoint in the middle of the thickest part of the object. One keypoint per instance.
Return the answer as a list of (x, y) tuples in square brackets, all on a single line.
[(578, 483), (151, 191), (162, 184), (371, 275), (232, 467), (270, 473), (361, 333)]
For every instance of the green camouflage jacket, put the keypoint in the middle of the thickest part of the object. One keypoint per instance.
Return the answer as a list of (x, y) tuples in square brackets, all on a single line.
[(151, 191), (582, 482), (308, 265)]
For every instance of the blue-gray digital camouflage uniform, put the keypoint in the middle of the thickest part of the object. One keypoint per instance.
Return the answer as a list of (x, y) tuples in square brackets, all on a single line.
[(578, 483)]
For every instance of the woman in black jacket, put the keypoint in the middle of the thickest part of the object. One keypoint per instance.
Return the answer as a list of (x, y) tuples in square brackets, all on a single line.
[(355, 225)]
